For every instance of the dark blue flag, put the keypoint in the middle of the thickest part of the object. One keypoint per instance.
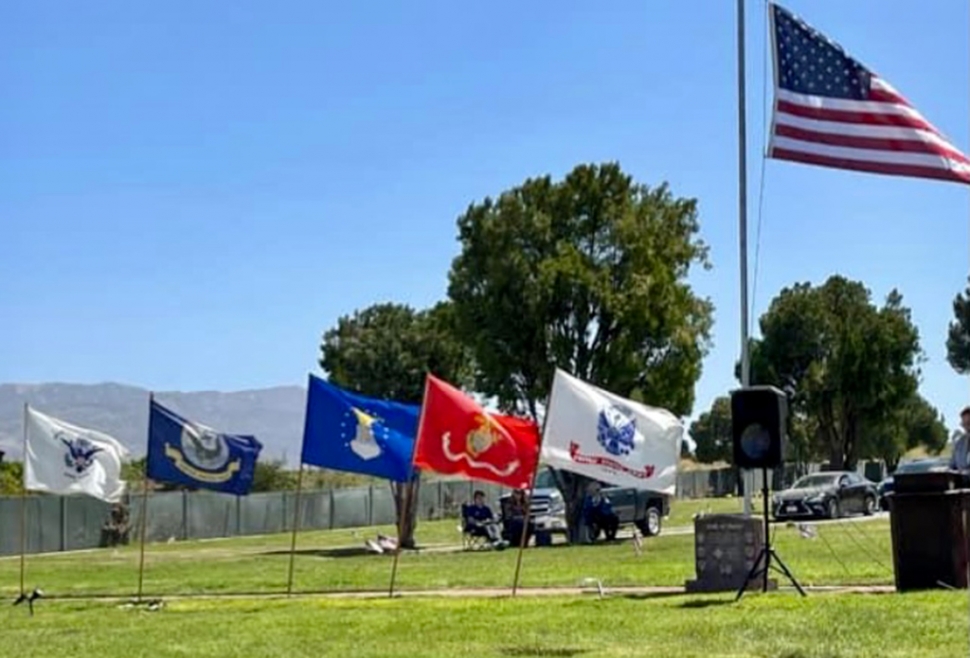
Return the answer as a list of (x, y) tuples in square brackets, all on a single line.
[(345, 431), (190, 454)]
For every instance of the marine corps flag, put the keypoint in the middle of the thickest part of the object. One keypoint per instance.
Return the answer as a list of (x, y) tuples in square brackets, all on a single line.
[(457, 437)]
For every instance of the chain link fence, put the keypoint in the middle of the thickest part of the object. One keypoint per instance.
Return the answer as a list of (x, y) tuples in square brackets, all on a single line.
[(59, 523)]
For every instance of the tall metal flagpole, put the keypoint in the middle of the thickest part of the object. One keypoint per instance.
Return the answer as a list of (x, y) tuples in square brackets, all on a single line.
[(528, 501), (743, 231), (23, 510)]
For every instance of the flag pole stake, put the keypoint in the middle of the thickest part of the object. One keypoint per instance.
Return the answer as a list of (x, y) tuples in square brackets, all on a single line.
[(143, 523), (405, 508), (528, 500), (406, 493), (296, 528), (23, 511)]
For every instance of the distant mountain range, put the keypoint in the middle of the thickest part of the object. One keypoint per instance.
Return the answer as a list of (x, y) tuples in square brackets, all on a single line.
[(274, 415)]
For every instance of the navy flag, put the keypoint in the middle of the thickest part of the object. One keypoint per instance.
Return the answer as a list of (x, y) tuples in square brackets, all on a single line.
[(345, 431), (193, 455)]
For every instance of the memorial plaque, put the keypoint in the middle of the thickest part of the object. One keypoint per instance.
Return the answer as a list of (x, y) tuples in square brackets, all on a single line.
[(725, 548)]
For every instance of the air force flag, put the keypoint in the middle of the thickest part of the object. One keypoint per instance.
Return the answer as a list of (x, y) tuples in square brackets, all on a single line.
[(186, 453), (345, 431)]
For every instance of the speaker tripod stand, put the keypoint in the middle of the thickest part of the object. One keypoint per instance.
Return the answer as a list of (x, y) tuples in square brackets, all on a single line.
[(768, 554)]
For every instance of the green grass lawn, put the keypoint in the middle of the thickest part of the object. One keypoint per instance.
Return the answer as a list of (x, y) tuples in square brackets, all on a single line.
[(777, 625), (846, 553)]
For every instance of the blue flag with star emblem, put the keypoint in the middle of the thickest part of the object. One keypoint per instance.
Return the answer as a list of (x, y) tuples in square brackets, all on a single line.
[(345, 431)]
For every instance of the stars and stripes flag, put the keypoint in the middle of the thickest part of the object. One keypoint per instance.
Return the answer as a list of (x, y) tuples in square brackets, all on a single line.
[(832, 111)]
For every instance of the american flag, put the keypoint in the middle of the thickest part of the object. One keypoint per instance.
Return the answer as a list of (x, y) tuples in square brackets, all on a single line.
[(832, 111)]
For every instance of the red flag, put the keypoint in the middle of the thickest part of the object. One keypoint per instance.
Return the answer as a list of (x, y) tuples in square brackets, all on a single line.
[(457, 437)]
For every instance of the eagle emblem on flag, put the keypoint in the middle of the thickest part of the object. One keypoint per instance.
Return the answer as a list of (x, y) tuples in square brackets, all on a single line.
[(80, 454), (616, 431)]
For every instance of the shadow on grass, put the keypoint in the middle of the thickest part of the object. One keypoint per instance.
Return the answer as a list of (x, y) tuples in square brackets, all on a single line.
[(344, 551), (592, 599), (704, 603), (647, 596), (565, 652), (352, 551)]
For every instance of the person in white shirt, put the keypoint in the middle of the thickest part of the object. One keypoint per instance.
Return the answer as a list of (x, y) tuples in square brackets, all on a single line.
[(960, 457)]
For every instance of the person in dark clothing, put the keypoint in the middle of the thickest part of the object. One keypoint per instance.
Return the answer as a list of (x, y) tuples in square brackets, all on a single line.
[(114, 532), (514, 520), (598, 513), (480, 521)]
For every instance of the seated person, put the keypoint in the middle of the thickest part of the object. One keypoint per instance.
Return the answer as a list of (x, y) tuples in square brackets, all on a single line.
[(514, 519), (598, 513), (479, 520), (115, 530)]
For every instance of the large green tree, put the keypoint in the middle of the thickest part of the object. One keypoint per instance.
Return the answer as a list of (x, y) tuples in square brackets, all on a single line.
[(848, 364), (915, 423), (11, 478), (384, 351), (712, 432), (958, 336), (589, 274)]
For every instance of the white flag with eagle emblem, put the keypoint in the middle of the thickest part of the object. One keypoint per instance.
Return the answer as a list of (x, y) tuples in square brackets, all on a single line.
[(65, 459), (603, 436)]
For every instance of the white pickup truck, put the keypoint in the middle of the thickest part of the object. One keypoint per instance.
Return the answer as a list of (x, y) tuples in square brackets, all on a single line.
[(644, 509)]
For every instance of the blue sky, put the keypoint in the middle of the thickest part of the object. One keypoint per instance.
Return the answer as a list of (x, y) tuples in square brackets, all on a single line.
[(192, 192)]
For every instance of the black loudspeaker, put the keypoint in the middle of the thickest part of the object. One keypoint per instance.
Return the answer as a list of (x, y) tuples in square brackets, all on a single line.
[(759, 426)]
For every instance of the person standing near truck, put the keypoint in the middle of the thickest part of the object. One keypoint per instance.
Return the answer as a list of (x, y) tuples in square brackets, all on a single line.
[(515, 518), (598, 513)]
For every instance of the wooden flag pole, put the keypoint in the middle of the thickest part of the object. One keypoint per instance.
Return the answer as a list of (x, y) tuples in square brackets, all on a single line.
[(23, 510), (143, 520), (525, 529), (296, 528), (406, 494), (405, 508), (143, 524), (528, 500)]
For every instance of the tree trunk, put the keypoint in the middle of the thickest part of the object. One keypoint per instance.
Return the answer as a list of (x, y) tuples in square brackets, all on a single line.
[(406, 509), (829, 428), (573, 488), (892, 463)]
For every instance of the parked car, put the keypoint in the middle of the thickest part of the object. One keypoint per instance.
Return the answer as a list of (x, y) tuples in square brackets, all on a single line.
[(644, 509), (927, 465), (830, 494)]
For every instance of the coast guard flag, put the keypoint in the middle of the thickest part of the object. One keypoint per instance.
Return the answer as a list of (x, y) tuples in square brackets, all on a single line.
[(345, 431), (65, 459), (603, 436), (193, 455)]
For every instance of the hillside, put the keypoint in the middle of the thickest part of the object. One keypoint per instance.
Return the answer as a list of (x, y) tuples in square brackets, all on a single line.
[(274, 415)]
